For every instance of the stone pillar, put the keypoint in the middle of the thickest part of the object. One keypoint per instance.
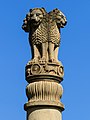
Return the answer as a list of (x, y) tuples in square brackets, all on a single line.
[(44, 91), (44, 72)]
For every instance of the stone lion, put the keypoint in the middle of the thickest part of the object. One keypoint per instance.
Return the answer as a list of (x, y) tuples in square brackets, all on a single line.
[(57, 20), (35, 24)]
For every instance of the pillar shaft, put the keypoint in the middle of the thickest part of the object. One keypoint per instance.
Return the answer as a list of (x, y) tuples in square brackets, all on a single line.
[(44, 113), (44, 91)]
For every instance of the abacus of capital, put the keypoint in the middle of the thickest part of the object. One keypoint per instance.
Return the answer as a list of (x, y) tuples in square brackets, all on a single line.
[(44, 72)]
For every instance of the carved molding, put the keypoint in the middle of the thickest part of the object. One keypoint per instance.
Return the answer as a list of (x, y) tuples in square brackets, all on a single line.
[(49, 104), (52, 69), (44, 91)]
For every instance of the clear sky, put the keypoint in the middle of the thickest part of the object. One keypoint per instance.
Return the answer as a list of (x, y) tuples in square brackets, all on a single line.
[(74, 54)]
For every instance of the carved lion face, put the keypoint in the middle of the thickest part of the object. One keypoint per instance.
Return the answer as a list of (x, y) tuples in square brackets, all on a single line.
[(36, 16)]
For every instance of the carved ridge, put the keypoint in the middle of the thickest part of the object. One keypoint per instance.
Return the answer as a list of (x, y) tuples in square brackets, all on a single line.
[(44, 90)]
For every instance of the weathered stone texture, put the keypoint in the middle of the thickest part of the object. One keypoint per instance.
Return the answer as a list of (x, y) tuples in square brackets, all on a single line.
[(44, 33), (44, 72)]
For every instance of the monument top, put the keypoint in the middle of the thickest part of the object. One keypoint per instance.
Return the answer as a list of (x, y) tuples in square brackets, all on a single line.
[(44, 38), (44, 33)]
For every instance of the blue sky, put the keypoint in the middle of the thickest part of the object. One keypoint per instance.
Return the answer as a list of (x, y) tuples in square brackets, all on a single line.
[(74, 54)]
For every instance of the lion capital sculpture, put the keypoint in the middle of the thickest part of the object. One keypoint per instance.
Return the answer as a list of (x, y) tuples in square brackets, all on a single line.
[(44, 33)]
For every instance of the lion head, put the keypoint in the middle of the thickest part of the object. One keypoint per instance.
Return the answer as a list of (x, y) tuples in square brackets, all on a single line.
[(36, 16), (33, 18)]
